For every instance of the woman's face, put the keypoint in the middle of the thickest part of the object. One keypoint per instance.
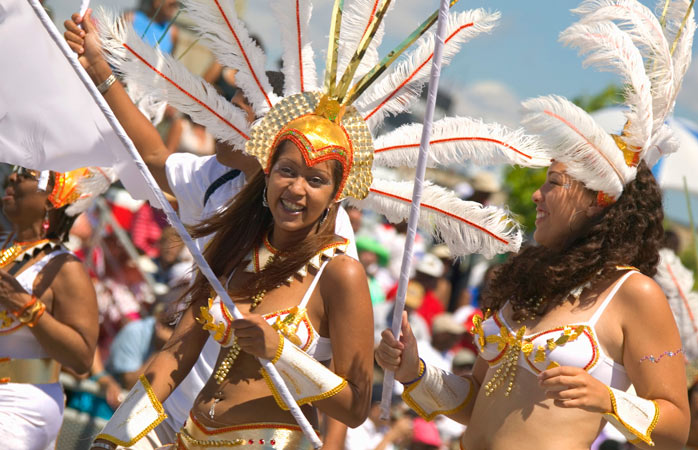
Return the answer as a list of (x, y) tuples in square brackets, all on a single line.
[(23, 203), (563, 208), (298, 194)]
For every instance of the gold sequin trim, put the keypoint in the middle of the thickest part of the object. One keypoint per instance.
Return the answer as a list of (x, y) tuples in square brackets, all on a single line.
[(155, 404), (641, 437), (423, 414)]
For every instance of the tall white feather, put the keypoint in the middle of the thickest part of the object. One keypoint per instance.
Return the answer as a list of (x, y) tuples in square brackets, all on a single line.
[(185, 92), (358, 15), (683, 51), (575, 139), (677, 283), (646, 32), (299, 71), (466, 227), (218, 24), (402, 83), (663, 143), (609, 48), (455, 140), (90, 187)]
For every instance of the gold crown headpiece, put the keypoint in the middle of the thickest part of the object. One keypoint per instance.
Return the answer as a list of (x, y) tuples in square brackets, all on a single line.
[(333, 120), (78, 188), (65, 187)]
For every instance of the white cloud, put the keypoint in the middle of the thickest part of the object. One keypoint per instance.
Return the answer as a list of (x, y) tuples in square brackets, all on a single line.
[(489, 100)]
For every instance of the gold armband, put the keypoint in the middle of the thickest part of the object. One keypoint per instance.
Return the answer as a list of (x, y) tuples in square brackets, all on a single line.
[(307, 379), (438, 392), (633, 416), (138, 414)]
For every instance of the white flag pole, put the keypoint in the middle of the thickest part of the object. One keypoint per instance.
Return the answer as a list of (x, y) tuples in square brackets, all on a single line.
[(389, 378), (171, 214)]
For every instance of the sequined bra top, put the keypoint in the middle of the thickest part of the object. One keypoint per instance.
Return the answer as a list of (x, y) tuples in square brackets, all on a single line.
[(575, 345), (295, 324)]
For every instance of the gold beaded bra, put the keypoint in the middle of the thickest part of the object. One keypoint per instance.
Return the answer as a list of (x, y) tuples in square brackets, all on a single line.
[(575, 345)]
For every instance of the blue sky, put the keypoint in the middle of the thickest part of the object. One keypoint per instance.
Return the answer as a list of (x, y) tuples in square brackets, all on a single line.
[(492, 73)]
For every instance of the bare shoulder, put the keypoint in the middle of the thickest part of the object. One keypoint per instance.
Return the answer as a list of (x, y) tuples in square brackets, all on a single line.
[(343, 271), (640, 297), (70, 273)]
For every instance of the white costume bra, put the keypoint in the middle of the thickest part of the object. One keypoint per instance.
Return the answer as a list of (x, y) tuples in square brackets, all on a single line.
[(311, 342), (575, 345), (17, 341)]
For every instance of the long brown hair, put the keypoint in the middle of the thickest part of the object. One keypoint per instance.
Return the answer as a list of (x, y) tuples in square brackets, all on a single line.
[(243, 225), (629, 232)]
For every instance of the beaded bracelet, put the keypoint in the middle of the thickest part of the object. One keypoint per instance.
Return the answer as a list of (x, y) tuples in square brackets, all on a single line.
[(29, 313), (422, 369), (101, 445), (26, 306)]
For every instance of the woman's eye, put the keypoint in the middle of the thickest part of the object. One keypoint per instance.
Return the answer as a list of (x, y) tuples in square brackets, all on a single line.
[(317, 181), (286, 170)]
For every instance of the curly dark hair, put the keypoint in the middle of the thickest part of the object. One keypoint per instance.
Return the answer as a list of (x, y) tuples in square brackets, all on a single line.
[(627, 233)]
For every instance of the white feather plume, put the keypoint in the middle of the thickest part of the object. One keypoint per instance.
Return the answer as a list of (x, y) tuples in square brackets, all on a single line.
[(151, 107), (293, 17), (608, 47), (663, 143), (466, 227), (357, 16), (455, 140), (184, 91), (218, 24), (646, 32), (90, 187), (575, 139), (402, 83), (683, 51), (677, 283)]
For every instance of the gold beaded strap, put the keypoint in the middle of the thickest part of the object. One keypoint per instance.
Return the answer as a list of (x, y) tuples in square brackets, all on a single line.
[(307, 379), (633, 416), (138, 414), (438, 392)]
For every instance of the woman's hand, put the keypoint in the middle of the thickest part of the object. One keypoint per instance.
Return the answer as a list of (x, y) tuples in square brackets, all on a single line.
[(85, 43), (572, 387), (256, 337), (12, 295), (399, 356)]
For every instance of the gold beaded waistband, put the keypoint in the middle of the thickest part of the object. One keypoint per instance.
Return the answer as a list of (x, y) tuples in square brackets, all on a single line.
[(261, 436), (31, 371)]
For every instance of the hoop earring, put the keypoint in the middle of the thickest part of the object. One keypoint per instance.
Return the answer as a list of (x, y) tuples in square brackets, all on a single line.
[(264, 197), (324, 216)]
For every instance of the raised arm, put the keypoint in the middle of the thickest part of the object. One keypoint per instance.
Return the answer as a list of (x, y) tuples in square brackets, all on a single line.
[(85, 42), (428, 391)]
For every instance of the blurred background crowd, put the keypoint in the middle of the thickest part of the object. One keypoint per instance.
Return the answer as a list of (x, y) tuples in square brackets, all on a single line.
[(140, 267)]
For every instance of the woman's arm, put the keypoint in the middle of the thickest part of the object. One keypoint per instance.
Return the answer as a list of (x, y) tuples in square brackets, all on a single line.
[(347, 302), (649, 329), (68, 330), (143, 134)]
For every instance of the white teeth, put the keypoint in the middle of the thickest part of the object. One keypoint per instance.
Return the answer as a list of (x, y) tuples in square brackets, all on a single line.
[(291, 206), (540, 214)]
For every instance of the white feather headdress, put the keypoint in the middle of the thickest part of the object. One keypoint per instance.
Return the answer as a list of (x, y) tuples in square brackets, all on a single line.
[(359, 90), (625, 37)]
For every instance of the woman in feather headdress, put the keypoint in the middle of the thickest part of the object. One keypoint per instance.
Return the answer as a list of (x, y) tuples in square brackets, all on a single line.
[(274, 245), (573, 322), (48, 307)]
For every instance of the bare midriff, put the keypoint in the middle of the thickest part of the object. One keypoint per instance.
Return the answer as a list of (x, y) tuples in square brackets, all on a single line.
[(527, 420)]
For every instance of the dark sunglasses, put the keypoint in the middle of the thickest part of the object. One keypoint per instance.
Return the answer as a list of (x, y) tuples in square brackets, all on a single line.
[(25, 173)]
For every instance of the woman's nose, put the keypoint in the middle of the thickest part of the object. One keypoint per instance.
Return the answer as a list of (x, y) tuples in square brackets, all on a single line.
[(537, 196)]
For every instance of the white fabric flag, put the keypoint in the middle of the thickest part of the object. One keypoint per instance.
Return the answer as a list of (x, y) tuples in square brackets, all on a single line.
[(48, 118)]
